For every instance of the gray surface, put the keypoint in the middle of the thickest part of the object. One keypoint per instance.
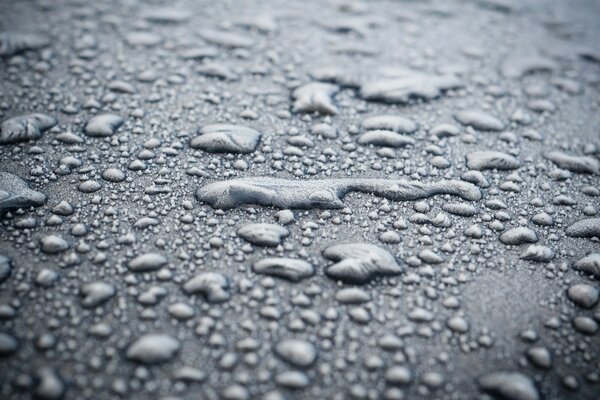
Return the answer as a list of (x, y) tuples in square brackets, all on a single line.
[(197, 299)]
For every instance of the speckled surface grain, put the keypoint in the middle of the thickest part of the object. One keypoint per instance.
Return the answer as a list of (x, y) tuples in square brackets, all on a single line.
[(300, 200)]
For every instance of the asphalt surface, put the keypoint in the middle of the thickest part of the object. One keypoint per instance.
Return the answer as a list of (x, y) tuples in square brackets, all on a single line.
[(300, 200)]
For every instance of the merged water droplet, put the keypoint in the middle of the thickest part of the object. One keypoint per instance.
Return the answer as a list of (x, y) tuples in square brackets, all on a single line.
[(402, 86), (284, 193), (103, 125), (25, 127), (16, 193), (291, 269), (226, 138), (12, 42), (360, 262), (153, 348)]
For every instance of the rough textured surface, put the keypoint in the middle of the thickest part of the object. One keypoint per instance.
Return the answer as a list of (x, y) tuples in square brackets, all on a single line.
[(335, 199)]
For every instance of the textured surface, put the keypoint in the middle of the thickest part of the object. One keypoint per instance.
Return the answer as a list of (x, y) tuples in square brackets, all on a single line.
[(299, 200)]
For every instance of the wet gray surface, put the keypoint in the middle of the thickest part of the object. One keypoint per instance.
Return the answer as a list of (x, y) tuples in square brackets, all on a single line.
[(277, 200)]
